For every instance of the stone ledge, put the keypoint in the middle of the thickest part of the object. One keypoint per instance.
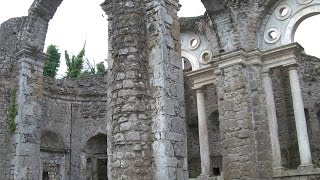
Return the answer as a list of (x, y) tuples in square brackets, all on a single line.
[(208, 178), (280, 173)]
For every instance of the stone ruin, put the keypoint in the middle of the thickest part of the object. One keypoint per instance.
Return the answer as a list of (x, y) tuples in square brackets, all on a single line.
[(227, 95)]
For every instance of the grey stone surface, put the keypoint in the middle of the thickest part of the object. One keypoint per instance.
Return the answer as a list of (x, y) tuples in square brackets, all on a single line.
[(139, 120)]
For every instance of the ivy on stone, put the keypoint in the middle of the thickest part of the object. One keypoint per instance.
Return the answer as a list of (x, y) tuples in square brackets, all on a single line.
[(52, 63), (13, 112)]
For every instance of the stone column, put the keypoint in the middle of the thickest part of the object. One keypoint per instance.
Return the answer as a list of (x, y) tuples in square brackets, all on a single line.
[(130, 95), (300, 119), (26, 160), (203, 135), (272, 117)]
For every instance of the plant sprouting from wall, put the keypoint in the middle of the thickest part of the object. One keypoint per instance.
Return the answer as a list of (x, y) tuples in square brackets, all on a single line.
[(74, 64), (52, 62), (93, 69), (13, 112), (101, 68)]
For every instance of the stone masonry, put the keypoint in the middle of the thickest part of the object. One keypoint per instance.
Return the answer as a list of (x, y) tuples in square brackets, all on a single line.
[(227, 95)]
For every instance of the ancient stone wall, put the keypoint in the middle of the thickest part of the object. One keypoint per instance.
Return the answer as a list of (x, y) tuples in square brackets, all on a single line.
[(75, 109), (243, 124), (169, 134), (9, 38)]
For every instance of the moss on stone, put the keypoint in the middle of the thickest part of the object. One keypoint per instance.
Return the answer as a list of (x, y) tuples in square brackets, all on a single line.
[(13, 112)]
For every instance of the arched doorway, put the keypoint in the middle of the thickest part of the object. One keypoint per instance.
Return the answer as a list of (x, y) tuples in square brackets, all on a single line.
[(95, 158)]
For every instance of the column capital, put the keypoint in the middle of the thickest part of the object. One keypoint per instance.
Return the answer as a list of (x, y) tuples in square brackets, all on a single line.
[(199, 89), (293, 67), (266, 72)]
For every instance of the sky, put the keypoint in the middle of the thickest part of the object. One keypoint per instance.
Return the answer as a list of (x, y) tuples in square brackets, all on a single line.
[(73, 25)]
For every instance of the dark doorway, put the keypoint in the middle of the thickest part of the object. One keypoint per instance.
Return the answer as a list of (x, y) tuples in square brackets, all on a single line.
[(45, 175)]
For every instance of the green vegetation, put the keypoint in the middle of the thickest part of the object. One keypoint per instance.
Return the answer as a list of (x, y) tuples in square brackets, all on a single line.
[(13, 112), (93, 69), (52, 62), (101, 69), (74, 64)]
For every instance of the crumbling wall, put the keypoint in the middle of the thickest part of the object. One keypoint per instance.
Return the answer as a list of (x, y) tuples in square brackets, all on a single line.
[(76, 109), (9, 40)]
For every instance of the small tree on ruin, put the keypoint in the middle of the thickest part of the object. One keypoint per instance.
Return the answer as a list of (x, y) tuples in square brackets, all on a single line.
[(52, 62)]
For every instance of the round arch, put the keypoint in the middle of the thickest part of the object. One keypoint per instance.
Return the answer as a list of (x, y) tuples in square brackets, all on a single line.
[(279, 27), (96, 144), (95, 158), (192, 59), (295, 21)]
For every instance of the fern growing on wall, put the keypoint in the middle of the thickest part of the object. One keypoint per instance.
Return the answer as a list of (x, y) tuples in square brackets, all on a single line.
[(13, 112)]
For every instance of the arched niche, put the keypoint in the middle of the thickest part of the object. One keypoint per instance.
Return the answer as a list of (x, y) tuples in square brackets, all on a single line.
[(94, 158), (279, 27)]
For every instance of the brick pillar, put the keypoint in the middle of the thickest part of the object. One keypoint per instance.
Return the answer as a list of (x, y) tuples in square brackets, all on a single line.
[(243, 123), (147, 90), (167, 88), (130, 116)]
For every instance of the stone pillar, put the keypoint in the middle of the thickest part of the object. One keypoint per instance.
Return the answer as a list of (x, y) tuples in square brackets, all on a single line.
[(236, 124), (26, 160), (272, 117), (130, 107), (75, 151), (300, 119), (203, 135), (169, 134)]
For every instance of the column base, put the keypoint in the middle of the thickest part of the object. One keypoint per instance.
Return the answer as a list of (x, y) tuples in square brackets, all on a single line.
[(206, 177), (277, 171), (306, 167)]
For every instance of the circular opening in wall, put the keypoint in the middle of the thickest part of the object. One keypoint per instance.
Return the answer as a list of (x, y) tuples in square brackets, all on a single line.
[(272, 35), (283, 11), (206, 56), (194, 42)]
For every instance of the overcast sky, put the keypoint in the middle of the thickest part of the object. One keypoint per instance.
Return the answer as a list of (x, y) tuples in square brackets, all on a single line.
[(80, 20)]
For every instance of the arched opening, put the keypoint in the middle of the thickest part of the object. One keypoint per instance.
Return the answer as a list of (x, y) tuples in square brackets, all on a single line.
[(307, 34), (186, 65), (96, 159), (191, 8), (86, 24)]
